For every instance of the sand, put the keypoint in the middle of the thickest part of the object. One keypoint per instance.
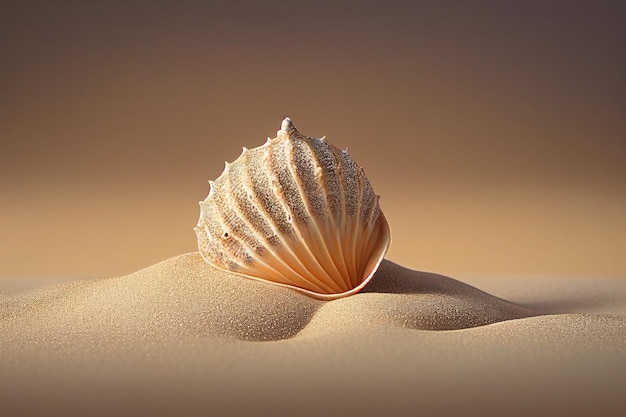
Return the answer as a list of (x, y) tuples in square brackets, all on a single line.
[(181, 338)]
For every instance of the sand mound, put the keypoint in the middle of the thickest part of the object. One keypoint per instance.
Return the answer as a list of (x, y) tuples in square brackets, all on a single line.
[(185, 295), (181, 295), (181, 338)]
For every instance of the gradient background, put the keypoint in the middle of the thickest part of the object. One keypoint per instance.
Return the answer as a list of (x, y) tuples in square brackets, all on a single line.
[(495, 131)]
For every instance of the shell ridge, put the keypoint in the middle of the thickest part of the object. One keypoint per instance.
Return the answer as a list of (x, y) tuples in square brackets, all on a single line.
[(369, 245), (205, 244), (247, 214), (231, 245), (312, 229), (317, 148), (383, 235), (368, 209), (302, 252), (230, 222), (204, 240), (234, 218), (245, 209), (237, 247), (354, 233), (242, 270), (250, 240), (351, 186), (299, 269), (336, 203), (243, 245), (289, 199), (264, 186), (342, 228), (320, 249)]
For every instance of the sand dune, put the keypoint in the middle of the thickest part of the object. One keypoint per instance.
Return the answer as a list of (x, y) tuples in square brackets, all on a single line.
[(180, 337)]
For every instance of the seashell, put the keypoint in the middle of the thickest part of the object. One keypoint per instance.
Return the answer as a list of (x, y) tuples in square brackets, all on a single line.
[(295, 212)]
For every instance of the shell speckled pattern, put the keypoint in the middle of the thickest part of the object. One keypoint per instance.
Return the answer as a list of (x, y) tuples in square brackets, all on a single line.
[(296, 212)]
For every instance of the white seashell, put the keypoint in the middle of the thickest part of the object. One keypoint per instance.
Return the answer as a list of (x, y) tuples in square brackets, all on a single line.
[(296, 212)]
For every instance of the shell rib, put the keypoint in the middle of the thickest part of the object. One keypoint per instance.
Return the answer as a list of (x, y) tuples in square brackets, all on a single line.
[(296, 212)]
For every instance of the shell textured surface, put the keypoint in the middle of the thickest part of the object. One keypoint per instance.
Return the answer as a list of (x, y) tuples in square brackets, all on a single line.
[(296, 212)]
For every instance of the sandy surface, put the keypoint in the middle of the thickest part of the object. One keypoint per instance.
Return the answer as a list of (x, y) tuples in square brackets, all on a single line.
[(181, 338)]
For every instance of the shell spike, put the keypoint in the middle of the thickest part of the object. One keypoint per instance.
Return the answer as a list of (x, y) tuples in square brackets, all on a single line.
[(287, 128), (287, 125)]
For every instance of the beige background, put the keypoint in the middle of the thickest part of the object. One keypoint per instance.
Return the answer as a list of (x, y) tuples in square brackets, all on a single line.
[(495, 132)]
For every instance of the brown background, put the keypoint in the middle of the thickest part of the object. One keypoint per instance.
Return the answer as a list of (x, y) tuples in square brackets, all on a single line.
[(495, 132)]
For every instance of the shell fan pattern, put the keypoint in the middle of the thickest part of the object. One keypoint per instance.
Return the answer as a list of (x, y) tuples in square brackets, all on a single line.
[(296, 212)]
